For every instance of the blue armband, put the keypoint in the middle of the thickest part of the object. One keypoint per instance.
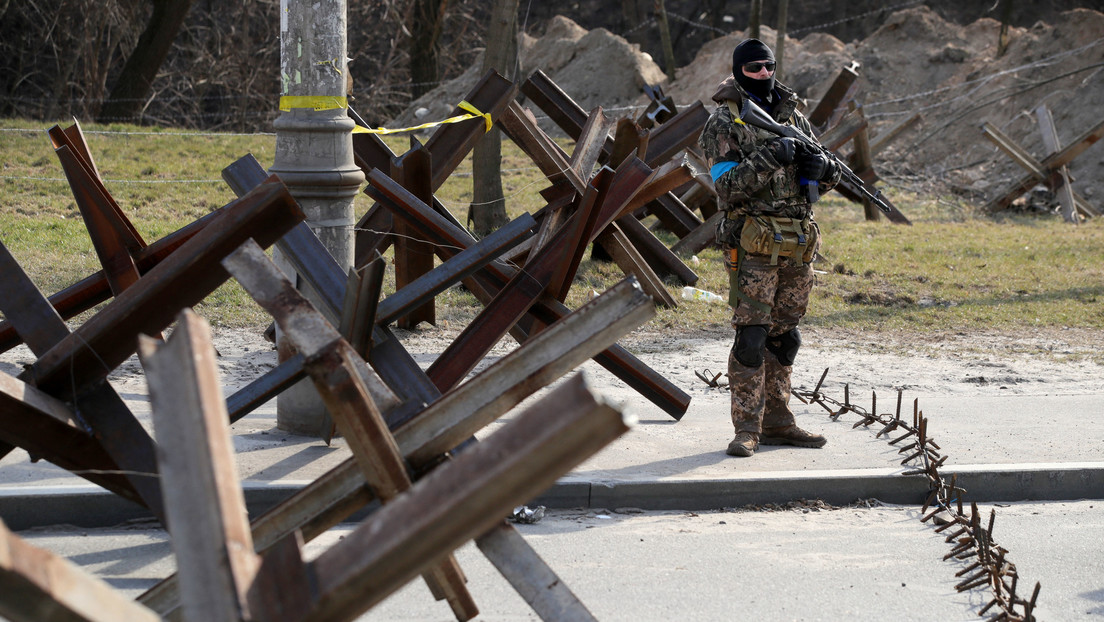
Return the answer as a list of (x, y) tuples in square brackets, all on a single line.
[(721, 168)]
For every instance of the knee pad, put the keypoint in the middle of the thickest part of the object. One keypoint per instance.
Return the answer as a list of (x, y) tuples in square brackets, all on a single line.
[(785, 346), (748, 349)]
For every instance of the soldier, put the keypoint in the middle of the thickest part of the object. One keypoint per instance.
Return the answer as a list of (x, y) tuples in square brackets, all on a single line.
[(769, 239)]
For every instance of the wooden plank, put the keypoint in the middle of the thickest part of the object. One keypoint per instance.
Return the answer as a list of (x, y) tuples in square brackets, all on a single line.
[(1051, 162), (845, 130), (862, 162), (39, 586), (108, 338), (462, 500), (205, 505)]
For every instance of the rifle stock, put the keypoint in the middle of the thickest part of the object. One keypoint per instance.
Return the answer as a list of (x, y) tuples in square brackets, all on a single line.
[(752, 114)]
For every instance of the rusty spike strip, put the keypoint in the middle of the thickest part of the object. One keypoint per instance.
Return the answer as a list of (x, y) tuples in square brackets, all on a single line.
[(970, 540)]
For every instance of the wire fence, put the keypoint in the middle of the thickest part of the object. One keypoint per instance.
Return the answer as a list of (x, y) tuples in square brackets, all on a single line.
[(967, 96)]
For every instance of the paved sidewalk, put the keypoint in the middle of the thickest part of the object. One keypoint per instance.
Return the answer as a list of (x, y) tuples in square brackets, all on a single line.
[(1003, 448)]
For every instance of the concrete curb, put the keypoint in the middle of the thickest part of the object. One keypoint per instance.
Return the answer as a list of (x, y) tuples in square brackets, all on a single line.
[(24, 507)]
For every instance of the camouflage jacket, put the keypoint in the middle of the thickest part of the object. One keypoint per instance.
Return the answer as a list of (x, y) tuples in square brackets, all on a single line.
[(757, 184)]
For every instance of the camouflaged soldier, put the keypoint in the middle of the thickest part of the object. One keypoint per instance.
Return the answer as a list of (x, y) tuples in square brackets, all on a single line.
[(769, 239)]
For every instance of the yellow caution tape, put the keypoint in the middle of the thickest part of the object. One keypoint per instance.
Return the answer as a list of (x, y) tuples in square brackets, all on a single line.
[(331, 102), (464, 105), (317, 102)]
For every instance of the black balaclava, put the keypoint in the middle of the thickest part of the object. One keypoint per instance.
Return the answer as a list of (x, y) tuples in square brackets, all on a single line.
[(750, 51)]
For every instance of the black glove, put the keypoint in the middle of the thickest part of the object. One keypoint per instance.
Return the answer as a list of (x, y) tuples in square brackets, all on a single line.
[(815, 166), (782, 149)]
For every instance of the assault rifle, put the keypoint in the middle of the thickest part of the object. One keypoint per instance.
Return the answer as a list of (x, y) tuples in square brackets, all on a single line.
[(752, 114)]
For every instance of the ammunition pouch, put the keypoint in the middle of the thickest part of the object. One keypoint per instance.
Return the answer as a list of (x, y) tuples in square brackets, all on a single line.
[(780, 237)]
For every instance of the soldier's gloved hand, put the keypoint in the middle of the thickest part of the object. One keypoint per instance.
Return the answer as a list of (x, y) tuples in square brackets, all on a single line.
[(815, 166), (782, 149)]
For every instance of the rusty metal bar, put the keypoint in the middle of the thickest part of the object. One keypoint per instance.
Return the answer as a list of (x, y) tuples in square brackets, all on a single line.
[(677, 133), (834, 101), (413, 258), (460, 502), (617, 360), (98, 409), (39, 586), (45, 426), (945, 501), (628, 258), (205, 505), (105, 223), (661, 259), (334, 367), (190, 274), (454, 418)]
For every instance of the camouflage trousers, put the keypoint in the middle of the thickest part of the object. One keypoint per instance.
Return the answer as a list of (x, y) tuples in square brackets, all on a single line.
[(761, 395)]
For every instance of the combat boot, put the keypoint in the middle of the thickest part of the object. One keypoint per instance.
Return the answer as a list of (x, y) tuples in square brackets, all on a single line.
[(791, 435), (744, 445)]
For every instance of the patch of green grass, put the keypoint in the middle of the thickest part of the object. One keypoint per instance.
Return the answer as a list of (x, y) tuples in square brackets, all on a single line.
[(953, 269)]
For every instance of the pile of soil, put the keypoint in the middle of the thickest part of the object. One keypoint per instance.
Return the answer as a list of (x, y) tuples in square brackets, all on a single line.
[(916, 62)]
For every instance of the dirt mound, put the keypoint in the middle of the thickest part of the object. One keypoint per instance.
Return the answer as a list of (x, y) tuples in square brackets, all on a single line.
[(952, 76), (916, 62), (596, 68)]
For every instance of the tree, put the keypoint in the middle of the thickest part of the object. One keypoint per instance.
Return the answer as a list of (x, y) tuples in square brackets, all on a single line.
[(133, 85), (426, 20), (487, 211)]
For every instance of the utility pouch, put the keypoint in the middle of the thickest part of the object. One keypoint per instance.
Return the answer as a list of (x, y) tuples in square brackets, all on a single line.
[(780, 237)]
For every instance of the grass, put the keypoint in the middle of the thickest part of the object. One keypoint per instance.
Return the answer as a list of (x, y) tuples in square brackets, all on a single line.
[(953, 269)]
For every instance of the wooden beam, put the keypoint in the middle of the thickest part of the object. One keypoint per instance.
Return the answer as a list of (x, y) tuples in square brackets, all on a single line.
[(883, 139)]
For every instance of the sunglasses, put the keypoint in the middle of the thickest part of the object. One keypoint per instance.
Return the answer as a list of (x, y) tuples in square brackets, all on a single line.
[(757, 67)]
